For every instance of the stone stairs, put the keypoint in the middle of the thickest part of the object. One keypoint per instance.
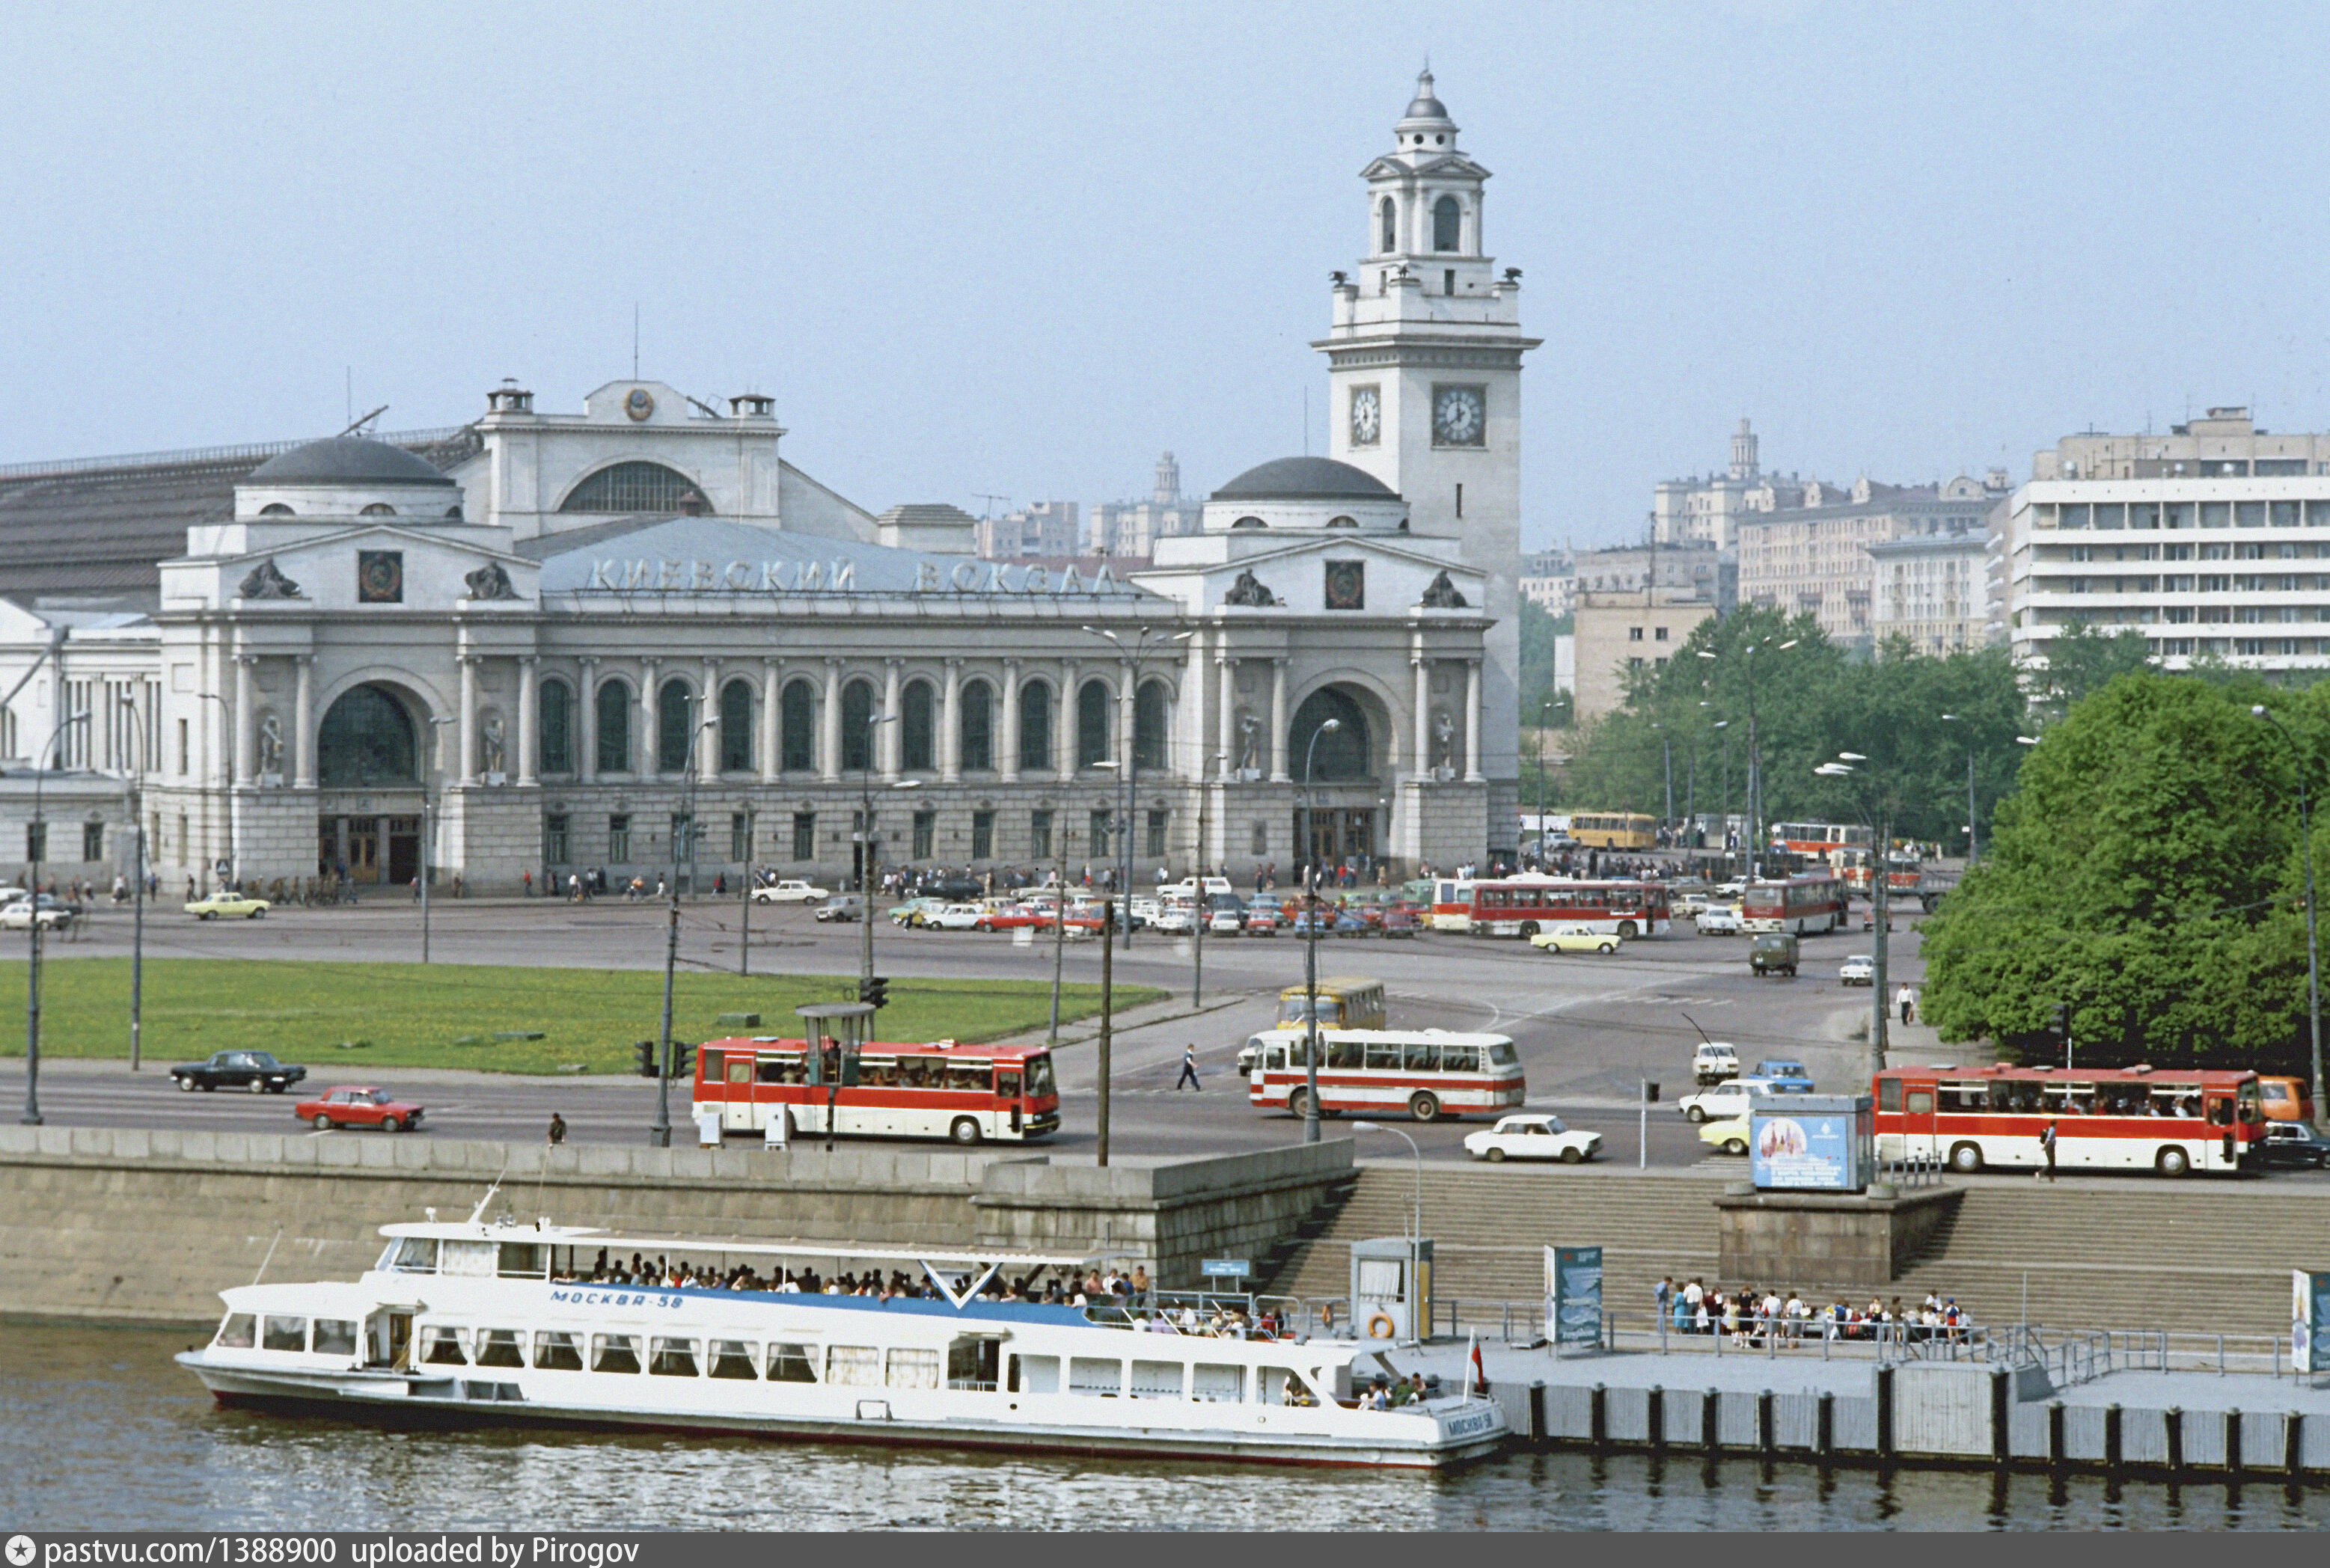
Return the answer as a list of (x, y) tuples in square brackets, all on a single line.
[(2195, 1257)]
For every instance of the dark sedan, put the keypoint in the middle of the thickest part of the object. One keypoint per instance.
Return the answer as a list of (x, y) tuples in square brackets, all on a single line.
[(2296, 1145), (248, 1069)]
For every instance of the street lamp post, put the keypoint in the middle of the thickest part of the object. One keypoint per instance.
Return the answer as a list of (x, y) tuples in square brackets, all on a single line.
[(1962, 719), (429, 837), (683, 846), (2313, 951), (235, 868), (1202, 914), (1755, 760), (1879, 830), (138, 894), (1417, 1234), (744, 915), (868, 867), (38, 846), (1132, 658), (1310, 944), (1544, 709)]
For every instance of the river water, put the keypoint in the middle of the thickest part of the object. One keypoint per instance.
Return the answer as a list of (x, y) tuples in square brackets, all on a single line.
[(98, 1430)]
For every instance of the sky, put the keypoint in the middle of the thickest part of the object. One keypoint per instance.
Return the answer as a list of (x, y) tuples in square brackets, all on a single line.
[(1018, 250)]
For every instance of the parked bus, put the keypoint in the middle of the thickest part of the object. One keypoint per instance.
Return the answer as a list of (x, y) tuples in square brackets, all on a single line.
[(1452, 903), (2165, 1119), (969, 1093), (1613, 829), (1345, 1002), (1904, 871), (1817, 839), (1522, 906), (1428, 1075), (1812, 902)]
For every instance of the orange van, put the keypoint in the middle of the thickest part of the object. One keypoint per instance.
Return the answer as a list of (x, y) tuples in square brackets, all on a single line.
[(2286, 1098)]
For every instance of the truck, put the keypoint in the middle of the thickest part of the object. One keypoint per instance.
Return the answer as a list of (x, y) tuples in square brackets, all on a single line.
[(1773, 953)]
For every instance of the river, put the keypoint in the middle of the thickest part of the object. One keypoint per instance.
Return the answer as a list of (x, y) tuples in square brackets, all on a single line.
[(99, 1430)]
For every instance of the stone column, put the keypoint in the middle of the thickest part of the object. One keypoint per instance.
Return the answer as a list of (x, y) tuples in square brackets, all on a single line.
[(1007, 764), (1278, 774), (1064, 724), (246, 721), (303, 723), (651, 718), (1473, 774), (586, 760), (951, 726), (1423, 764), (708, 743), (1193, 713), (465, 769), (830, 764), (772, 711), (529, 722), (1226, 679), (887, 740), (1128, 681)]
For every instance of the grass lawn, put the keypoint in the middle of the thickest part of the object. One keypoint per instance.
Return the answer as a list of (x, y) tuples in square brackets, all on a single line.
[(342, 1019)]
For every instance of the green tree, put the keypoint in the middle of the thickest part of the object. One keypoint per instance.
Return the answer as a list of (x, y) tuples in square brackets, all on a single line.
[(2083, 660)]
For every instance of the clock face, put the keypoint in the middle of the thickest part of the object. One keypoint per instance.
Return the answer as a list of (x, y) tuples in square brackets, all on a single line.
[(1367, 416), (1458, 415)]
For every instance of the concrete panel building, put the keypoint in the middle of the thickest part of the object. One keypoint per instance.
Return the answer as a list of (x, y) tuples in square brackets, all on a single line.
[(1621, 636)]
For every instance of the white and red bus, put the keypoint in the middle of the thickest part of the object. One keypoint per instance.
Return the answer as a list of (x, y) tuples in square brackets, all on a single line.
[(1524, 905), (1818, 840), (1904, 871), (969, 1093), (2165, 1119), (1452, 903), (1812, 902), (1427, 1076)]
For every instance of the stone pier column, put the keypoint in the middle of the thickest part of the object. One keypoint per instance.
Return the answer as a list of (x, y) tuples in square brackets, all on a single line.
[(829, 764), (246, 721), (1473, 774), (1278, 774), (465, 769), (586, 760), (303, 723), (1007, 764), (772, 709), (529, 722), (888, 741)]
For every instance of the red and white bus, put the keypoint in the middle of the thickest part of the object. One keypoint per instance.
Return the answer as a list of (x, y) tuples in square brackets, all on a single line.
[(1818, 839), (2165, 1119), (969, 1093), (1428, 1075), (1452, 903), (1524, 905), (1904, 871), (1812, 902)]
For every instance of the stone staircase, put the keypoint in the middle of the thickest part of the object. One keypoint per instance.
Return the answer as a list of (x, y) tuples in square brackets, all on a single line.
[(2195, 1257)]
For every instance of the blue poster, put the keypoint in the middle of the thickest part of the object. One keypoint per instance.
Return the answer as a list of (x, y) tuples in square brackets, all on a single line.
[(1573, 1295), (1791, 1151), (2309, 1321)]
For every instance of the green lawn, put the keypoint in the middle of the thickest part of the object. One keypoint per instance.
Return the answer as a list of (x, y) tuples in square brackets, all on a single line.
[(342, 1019)]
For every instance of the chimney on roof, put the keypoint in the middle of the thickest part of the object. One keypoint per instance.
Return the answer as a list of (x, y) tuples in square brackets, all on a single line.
[(509, 398), (752, 406)]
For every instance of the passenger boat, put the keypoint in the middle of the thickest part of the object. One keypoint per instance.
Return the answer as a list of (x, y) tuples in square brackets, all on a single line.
[(492, 1322)]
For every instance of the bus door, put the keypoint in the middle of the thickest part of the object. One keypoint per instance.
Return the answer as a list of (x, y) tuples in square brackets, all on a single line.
[(1007, 1089), (737, 1111), (1921, 1128), (2224, 1151)]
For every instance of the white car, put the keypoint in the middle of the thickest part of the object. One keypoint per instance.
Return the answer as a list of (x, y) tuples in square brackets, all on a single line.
[(1228, 919), (1860, 969), (1175, 919), (1720, 1103), (1715, 1062), (1718, 920), (792, 890), (955, 917), (1532, 1138), (55, 914)]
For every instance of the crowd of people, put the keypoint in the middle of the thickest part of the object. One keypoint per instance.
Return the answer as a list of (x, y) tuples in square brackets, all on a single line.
[(1757, 1316)]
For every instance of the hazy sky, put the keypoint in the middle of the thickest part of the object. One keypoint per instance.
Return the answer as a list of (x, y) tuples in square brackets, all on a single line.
[(1021, 250)]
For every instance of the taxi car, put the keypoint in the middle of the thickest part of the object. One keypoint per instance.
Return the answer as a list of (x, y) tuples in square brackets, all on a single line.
[(1570, 940), (1728, 1136), (358, 1105), (216, 905), (1532, 1138)]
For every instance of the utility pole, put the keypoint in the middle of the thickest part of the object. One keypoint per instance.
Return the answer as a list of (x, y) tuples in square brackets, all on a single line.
[(1107, 1007)]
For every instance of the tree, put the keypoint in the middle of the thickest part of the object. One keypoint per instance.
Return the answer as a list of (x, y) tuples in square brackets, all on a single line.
[(2081, 660)]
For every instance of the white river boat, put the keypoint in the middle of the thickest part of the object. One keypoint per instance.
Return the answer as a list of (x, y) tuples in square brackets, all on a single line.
[(489, 1323)]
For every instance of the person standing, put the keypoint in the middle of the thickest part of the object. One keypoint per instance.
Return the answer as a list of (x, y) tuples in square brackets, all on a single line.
[(1188, 1070), (2047, 1148), (1906, 1000), (557, 1129)]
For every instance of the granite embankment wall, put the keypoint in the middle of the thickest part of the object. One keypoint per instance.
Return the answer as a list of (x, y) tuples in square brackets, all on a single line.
[(142, 1226)]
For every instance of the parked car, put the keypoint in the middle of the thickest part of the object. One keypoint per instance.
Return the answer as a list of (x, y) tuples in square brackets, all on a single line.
[(250, 1070), (1776, 1076), (952, 917), (359, 1106), (1719, 919), (1860, 969), (1532, 1138), (1261, 920), (1007, 916), (911, 912), (791, 889), (53, 914), (1715, 1062), (843, 906), (1724, 1100), (1570, 940), (213, 905), (1227, 916), (1399, 920), (1347, 922), (2294, 1143), (1146, 908), (1773, 953), (1175, 919), (1729, 1135), (1305, 922)]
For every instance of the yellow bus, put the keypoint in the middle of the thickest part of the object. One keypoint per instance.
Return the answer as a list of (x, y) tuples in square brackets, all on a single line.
[(1613, 829), (1345, 1002)]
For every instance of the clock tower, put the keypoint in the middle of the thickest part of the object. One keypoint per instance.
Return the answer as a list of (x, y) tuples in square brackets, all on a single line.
[(1424, 365)]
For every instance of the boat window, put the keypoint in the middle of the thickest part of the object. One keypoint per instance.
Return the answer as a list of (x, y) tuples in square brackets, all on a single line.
[(552, 1352), (499, 1347), (1156, 1380), (523, 1261), (672, 1359), (1281, 1385), (614, 1352), (236, 1333), (1212, 1385), (1502, 1054), (732, 1358), (1034, 1374), (853, 1366), (441, 1347), (416, 1255), (285, 1334), (790, 1364), (469, 1260), (1090, 1375), (913, 1369), (971, 1364), (334, 1337)]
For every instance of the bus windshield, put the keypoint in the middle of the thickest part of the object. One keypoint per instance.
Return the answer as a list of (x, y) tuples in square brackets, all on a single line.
[(1039, 1077)]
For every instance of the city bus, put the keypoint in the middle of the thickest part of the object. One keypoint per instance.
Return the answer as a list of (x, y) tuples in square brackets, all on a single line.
[(2171, 1121), (1345, 1002), (968, 1093), (1427, 1076), (1522, 906), (1904, 870), (1812, 902), (1818, 840), (1613, 829), (1452, 903)]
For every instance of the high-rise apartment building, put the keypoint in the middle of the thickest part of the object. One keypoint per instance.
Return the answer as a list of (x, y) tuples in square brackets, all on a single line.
[(1815, 559)]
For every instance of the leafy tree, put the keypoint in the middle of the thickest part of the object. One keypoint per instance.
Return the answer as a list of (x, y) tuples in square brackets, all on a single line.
[(2083, 660), (1538, 631)]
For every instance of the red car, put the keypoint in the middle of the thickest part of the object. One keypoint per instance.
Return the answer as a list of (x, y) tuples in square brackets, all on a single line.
[(1010, 917), (353, 1106)]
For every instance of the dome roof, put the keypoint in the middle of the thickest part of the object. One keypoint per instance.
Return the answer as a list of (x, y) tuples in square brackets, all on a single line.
[(1305, 479), (1425, 105), (348, 460)]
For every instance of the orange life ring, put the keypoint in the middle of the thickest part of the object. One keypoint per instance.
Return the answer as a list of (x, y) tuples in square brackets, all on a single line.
[(1381, 1327)]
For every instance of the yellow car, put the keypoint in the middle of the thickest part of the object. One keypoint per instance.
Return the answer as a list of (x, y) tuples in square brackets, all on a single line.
[(1575, 941), (1729, 1136), (223, 902)]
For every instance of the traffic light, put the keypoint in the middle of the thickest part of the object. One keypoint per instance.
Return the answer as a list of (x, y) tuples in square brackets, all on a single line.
[(645, 1050), (1649, 1092), (683, 1060), (2061, 1023), (876, 989)]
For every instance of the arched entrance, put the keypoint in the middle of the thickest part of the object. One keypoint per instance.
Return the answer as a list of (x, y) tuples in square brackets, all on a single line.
[(368, 741), (1330, 831)]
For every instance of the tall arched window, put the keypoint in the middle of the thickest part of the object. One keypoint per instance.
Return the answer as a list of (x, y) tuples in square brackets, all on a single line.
[(1092, 704), (1447, 224), (1149, 726), (1034, 727), (614, 699), (635, 487), (915, 729), (798, 721), (857, 726), (736, 727), (1345, 752), (674, 726), (977, 739), (556, 737), (1387, 215), (366, 739)]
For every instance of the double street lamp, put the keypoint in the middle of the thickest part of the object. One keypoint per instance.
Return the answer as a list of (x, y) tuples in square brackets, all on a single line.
[(1311, 941), (1879, 830), (1755, 761), (2313, 951)]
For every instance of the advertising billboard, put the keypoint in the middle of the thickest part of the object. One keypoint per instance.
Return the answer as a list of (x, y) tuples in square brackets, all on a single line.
[(2309, 1321), (1811, 1143), (1573, 1296)]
